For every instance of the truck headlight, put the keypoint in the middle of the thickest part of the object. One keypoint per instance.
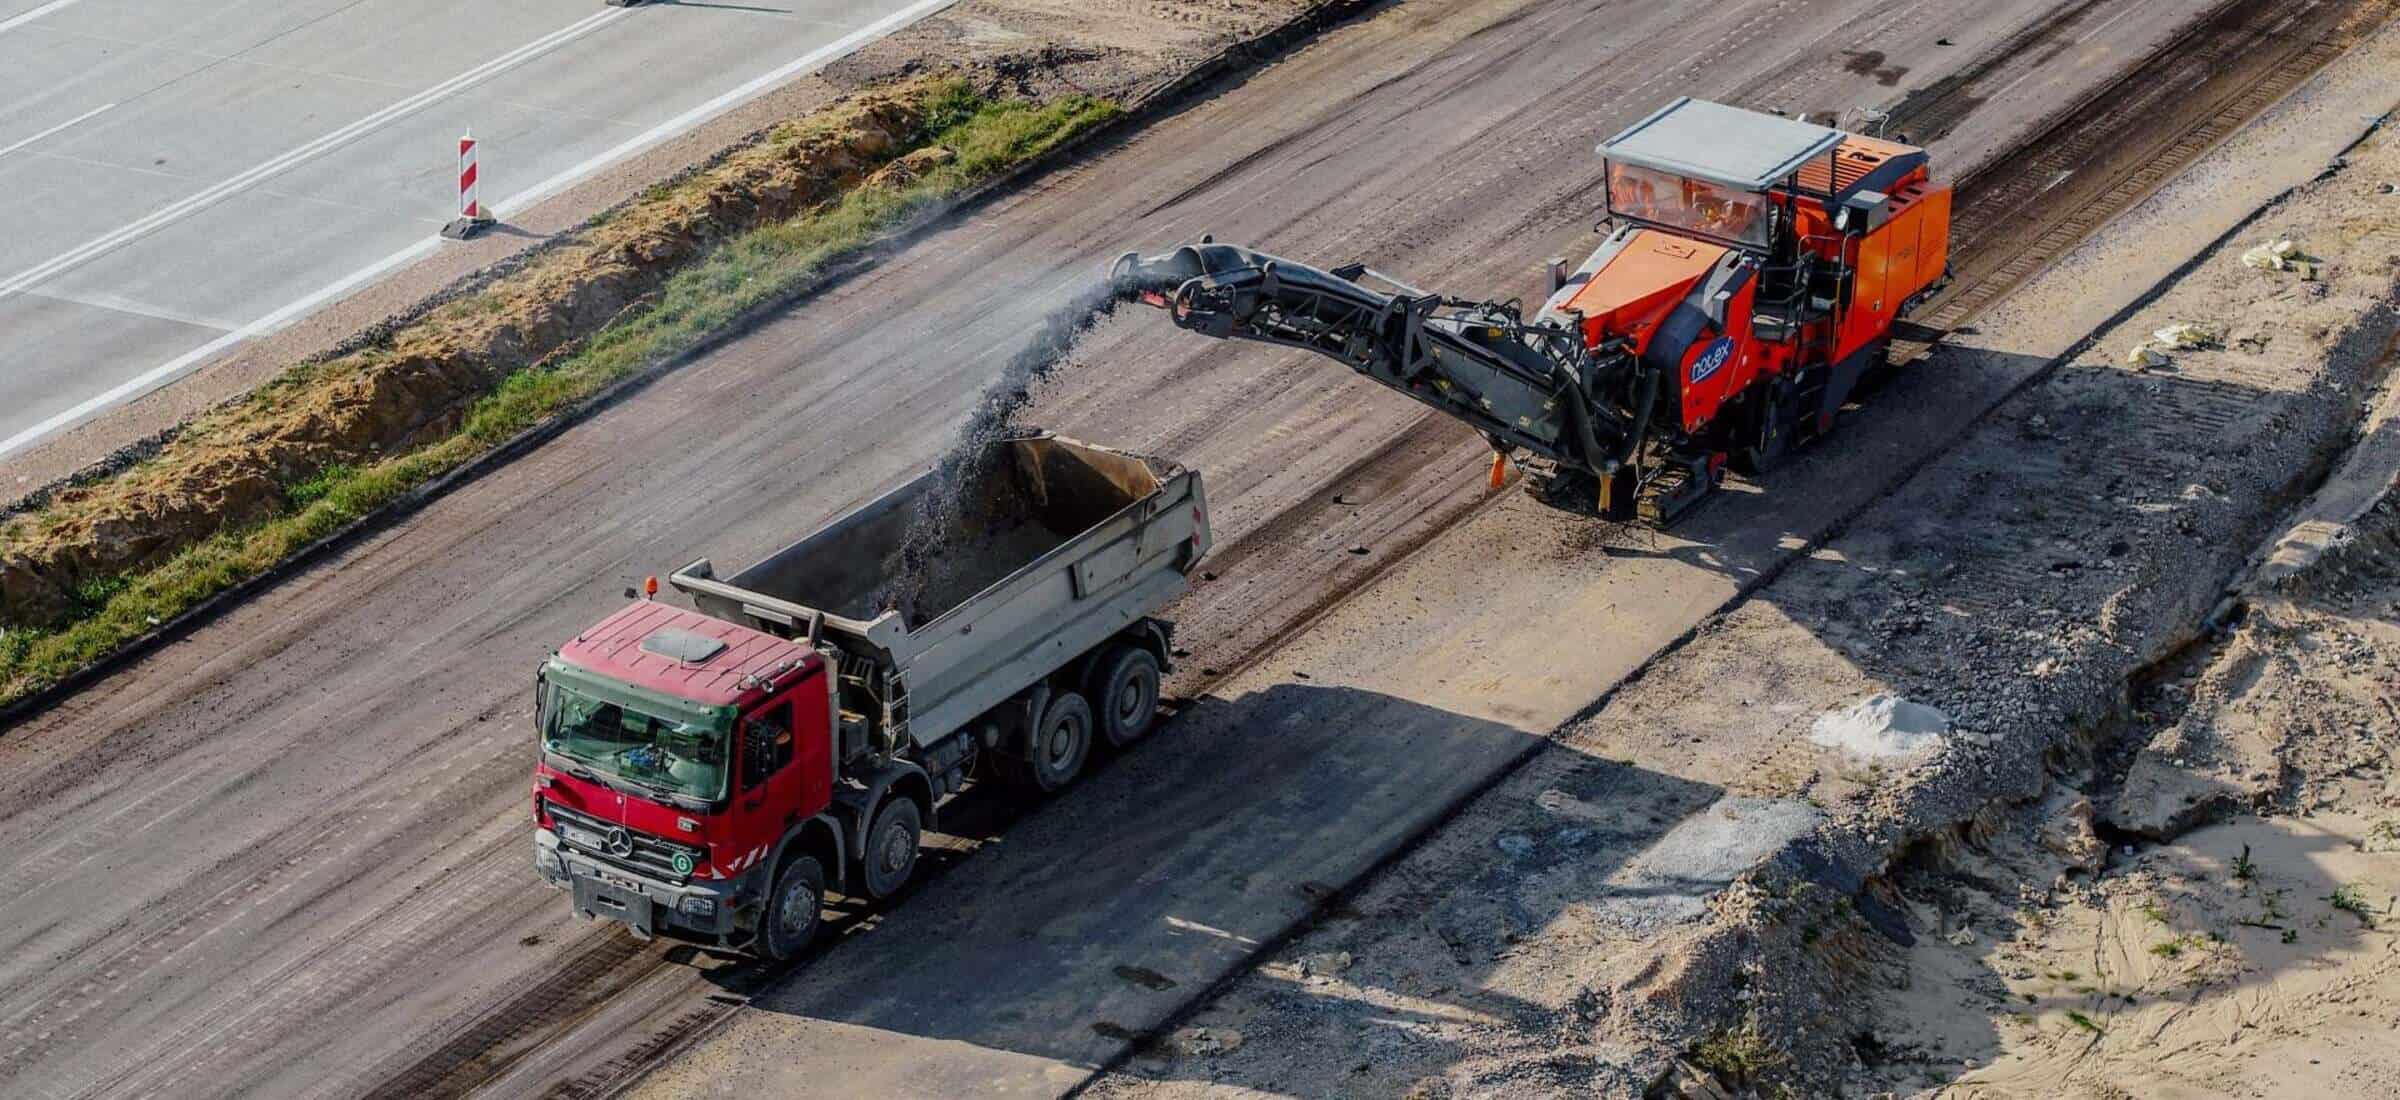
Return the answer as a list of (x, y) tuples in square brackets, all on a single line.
[(546, 860), (694, 905)]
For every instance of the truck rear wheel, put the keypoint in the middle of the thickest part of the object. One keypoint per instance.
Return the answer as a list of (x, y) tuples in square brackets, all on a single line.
[(891, 855), (794, 907), (1126, 692), (1061, 742)]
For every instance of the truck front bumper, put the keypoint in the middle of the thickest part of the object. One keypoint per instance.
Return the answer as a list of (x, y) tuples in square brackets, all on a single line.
[(718, 912)]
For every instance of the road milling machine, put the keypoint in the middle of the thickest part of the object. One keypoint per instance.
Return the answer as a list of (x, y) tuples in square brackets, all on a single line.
[(1754, 268)]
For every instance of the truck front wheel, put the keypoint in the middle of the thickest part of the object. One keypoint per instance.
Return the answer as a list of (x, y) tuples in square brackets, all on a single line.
[(793, 909), (1126, 692), (1061, 742), (891, 855)]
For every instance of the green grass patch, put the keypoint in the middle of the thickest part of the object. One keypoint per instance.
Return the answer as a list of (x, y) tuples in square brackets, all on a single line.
[(2350, 898), (1740, 1057), (989, 137)]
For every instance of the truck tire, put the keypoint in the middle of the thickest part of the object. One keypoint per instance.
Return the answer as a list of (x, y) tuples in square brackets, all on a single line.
[(795, 904), (1126, 693), (891, 855), (1061, 742)]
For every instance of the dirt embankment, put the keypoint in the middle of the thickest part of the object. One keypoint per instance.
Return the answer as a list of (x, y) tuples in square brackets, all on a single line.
[(2158, 857), (2254, 953), (236, 465)]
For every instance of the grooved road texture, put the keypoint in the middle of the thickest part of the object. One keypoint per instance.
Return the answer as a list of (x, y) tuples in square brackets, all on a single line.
[(289, 853)]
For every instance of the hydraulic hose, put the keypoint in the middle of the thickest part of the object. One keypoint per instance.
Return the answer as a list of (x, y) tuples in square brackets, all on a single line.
[(1579, 418), (1641, 419)]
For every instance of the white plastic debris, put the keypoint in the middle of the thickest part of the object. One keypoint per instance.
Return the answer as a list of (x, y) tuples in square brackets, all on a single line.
[(1881, 726), (2283, 255), (2146, 356), (2154, 352)]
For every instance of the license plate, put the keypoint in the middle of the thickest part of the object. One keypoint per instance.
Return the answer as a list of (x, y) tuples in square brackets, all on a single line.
[(582, 838)]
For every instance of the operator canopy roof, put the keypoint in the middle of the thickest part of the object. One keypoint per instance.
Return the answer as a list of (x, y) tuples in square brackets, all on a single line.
[(1721, 144)]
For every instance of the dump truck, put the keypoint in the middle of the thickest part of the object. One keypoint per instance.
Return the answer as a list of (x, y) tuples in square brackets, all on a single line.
[(1755, 268), (711, 772)]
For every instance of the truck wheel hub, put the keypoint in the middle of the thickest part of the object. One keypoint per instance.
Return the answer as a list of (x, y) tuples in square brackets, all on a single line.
[(798, 906)]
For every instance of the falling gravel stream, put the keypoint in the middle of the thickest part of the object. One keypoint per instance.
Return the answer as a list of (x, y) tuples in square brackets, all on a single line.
[(943, 539)]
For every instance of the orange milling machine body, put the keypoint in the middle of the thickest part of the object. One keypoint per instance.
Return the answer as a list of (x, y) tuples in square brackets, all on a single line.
[(1698, 252)]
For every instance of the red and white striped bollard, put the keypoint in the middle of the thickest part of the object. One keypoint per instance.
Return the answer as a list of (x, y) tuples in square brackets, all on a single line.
[(472, 217)]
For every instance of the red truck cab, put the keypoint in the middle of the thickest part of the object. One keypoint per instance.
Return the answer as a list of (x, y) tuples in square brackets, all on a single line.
[(686, 766)]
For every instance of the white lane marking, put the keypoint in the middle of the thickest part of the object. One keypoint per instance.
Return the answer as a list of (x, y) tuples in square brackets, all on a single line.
[(4, 151), (13, 22), (164, 373), (224, 189), (815, 58)]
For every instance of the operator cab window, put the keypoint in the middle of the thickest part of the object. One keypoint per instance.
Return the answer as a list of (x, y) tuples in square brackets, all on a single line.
[(1696, 206)]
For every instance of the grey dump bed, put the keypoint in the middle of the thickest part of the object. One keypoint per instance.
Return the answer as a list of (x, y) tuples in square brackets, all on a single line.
[(1045, 550)]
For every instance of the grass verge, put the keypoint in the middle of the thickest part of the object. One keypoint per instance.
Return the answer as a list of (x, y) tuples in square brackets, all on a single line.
[(982, 138)]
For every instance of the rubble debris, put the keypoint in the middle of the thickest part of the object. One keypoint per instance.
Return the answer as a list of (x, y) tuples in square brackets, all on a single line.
[(1203, 1042), (1322, 968), (1881, 726), (2067, 833)]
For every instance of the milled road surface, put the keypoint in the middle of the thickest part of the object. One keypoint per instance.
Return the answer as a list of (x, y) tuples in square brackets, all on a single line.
[(183, 176), (288, 854)]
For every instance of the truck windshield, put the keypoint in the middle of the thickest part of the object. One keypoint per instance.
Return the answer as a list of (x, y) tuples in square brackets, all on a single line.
[(684, 758), (1673, 202)]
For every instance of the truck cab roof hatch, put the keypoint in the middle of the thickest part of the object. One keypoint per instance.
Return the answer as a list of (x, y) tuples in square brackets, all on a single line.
[(683, 646)]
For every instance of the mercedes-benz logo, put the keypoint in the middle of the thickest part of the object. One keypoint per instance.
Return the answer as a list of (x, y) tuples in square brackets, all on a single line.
[(620, 842)]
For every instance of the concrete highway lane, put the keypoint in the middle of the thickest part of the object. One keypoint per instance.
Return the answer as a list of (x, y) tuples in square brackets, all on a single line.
[(182, 177), (290, 854)]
